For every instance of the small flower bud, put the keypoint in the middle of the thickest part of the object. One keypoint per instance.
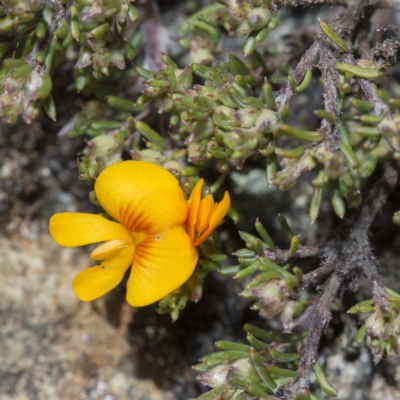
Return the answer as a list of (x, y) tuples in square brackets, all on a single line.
[(390, 128), (244, 28), (216, 377), (266, 121), (242, 368), (291, 310), (258, 18), (396, 324), (103, 145), (184, 78), (271, 295), (375, 324), (149, 155), (246, 117)]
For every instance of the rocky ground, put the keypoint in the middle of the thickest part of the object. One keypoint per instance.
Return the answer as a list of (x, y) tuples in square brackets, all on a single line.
[(52, 346)]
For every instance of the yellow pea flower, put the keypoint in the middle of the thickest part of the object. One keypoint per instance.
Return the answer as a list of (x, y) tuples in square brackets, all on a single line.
[(151, 211), (204, 215)]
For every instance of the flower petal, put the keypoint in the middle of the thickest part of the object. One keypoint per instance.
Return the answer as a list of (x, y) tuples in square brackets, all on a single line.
[(162, 263), (106, 249), (220, 211), (142, 196), (204, 213), (217, 215), (95, 281), (77, 229), (194, 205)]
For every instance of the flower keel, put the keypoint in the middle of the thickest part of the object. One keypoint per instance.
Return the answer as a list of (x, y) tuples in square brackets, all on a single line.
[(94, 282)]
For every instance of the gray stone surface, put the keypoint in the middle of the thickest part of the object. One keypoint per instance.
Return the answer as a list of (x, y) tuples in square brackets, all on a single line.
[(53, 346)]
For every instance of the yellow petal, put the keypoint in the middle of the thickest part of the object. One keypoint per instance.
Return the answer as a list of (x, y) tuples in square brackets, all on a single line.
[(204, 213), (78, 229), (217, 215), (194, 205), (93, 282), (108, 248), (220, 211), (142, 196), (162, 263)]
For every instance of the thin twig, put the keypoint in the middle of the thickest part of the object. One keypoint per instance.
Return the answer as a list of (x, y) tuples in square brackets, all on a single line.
[(282, 256), (319, 321), (377, 197), (349, 253), (373, 204), (307, 61), (316, 275)]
